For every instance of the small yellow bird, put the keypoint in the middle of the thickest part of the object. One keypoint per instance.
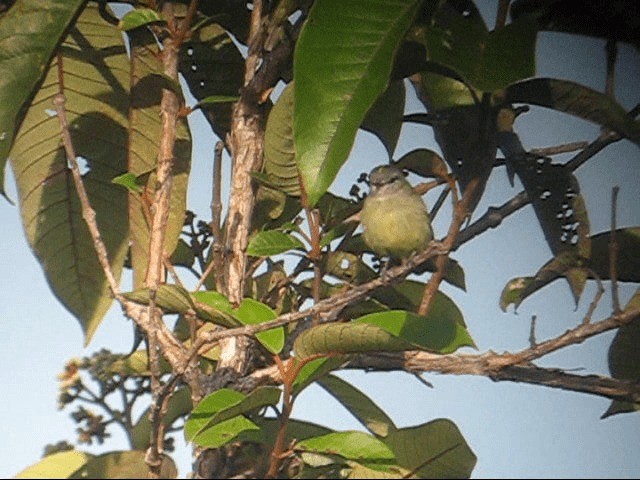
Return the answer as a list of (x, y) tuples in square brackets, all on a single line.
[(395, 219)]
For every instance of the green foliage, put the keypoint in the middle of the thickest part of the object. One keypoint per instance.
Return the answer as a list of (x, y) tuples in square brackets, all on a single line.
[(367, 41), (349, 62)]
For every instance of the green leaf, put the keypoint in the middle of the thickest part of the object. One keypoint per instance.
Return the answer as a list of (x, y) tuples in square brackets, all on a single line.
[(234, 429), (359, 405), (94, 65), (627, 266), (56, 465), (359, 40), (129, 181), (384, 118), (138, 18), (564, 265), (25, 53), (627, 257), (435, 332), (183, 255), (214, 299), (125, 464), (212, 306), (433, 450), (213, 99), (486, 60), (334, 338), (624, 358), (279, 152), (314, 370), (137, 364), (423, 162), (353, 445), (224, 405), (251, 312), (170, 298), (577, 100), (296, 429), (272, 242), (145, 127)]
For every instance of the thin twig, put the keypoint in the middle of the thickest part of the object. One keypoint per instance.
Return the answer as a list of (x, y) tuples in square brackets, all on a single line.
[(613, 251), (596, 298), (501, 15), (532, 332)]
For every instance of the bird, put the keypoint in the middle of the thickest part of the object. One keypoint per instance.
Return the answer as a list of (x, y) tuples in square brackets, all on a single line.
[(394, 217)]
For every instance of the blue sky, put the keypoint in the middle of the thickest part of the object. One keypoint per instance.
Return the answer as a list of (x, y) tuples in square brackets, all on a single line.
[(515, 430)]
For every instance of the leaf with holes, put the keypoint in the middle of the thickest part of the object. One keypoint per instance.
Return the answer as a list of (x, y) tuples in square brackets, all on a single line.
[(212, 66), (577, 100), (355, 38), (564, 264), (486, 60), (24, 53), (145, 127), (94, 65)]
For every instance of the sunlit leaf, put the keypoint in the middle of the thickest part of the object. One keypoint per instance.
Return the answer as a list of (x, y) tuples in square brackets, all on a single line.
[(251, 312), (351, 444), (341, 36), (347, 338), (24, 53), (125, 464), (138, 18), (438, 333), (272, 242), (56, 465), (94, 66), (223, 405)]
